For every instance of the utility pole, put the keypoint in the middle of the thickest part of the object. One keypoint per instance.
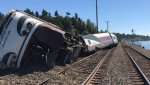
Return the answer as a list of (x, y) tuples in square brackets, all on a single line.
[(107, 22), (97, 16)]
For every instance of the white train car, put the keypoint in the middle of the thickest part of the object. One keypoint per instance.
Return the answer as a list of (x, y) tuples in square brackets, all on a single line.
[(100, 41), (115, 39), (92, 44), (22, 35)]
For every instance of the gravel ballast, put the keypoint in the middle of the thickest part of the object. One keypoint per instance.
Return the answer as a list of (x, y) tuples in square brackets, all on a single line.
[(116, 73)]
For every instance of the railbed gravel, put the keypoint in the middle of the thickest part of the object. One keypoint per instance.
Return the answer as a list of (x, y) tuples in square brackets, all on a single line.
[(28, 76), (76, 75), (31, 75), (116, 72)]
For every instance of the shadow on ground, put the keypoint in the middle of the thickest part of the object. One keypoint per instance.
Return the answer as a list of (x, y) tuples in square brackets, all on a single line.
[(28, 69)]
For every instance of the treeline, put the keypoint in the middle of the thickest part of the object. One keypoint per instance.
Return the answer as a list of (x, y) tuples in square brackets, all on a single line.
[(73, 24), (131, 37), (1, 17)]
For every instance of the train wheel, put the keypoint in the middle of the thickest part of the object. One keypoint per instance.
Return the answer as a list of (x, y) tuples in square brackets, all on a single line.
[(10, 60), (51, 58)]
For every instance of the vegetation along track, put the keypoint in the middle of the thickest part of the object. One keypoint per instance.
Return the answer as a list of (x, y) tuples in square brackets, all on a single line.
[(141, 73), (96, 75), (76, 73)]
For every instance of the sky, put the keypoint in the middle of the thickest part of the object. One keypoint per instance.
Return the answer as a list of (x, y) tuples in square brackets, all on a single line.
[(124, 15)]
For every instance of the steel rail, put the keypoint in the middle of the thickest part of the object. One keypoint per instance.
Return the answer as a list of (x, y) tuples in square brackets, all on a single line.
[(44, 81), (137, 51), (146, 81), (91, 76), (75, 63)]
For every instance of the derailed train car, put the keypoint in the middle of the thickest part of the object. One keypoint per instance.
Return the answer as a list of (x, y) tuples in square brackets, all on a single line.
[(73, 48), (25, 38), (100, 41)]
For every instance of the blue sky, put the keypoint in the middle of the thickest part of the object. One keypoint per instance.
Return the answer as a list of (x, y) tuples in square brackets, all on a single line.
[(123, 14)]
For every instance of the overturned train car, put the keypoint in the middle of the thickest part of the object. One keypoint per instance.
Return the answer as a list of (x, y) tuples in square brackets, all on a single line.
[(100, 41), (25, 38)]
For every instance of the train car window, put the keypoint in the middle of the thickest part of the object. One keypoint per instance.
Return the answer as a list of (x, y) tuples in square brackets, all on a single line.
[(89, 41), (4, 22), (2, 27)]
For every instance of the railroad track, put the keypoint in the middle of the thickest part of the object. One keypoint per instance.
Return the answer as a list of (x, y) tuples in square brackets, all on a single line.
[(95, 75), (139, 66), (138, 52), (70, 67)]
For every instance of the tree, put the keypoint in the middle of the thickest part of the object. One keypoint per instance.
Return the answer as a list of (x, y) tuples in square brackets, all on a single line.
[(76, 16), (46, 16), (37, 14), (1, 18), (68, 14), (74, 24), (67, 24), (44, 13), (49, 14), (90, 27), (29, 11), (56, 13)]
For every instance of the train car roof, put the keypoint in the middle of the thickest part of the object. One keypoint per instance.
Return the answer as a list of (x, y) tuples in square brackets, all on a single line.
[(35, 18), (90, 36), (101, 34), (96, 35)]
